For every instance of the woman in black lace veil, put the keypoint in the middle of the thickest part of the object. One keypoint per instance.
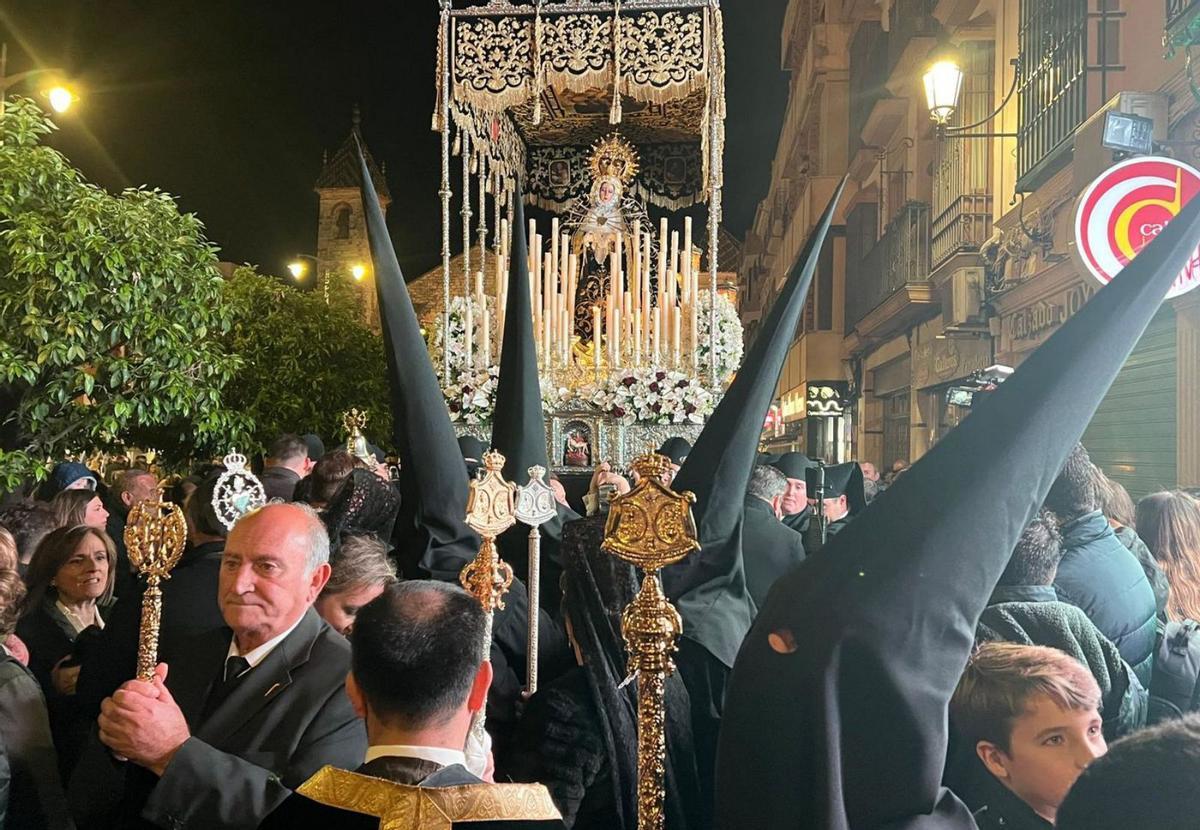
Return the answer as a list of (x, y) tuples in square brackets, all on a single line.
[(578, 735), (363, 504)]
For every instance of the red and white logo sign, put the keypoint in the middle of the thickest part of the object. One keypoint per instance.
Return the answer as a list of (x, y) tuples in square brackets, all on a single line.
[(1127, 207)]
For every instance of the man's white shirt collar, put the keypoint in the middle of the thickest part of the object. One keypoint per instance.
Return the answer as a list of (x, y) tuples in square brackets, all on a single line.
[(434, 754), (257, 655)]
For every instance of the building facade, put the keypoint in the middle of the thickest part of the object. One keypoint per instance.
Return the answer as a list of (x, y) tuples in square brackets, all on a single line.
[(343, 249), (957, 250)]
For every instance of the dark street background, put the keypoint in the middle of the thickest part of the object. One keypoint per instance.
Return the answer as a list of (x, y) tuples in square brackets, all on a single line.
[(229, 106)]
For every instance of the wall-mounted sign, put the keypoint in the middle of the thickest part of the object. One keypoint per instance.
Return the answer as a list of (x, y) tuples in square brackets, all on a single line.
[(826, 399), (1127, 207), (1034, 322)]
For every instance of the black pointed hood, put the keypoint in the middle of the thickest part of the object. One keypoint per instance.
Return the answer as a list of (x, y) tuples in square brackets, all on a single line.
[(431, 527), (518, 425), (710, 586), (836, 717)]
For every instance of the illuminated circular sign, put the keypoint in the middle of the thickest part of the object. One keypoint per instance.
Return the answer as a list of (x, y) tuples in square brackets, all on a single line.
[(1127, 207)]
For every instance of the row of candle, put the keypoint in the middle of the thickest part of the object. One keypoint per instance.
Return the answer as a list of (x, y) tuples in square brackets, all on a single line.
[(632, 322)]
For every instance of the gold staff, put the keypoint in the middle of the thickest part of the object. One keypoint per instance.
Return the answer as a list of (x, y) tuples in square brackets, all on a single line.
[(490, 508), (154, 537), (535, 507), (651, 527)]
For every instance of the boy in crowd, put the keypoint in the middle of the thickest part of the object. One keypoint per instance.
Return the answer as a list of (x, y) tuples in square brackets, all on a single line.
[(1033, 716)]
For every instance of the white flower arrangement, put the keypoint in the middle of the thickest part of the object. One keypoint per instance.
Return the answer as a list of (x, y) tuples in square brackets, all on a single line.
[(653, 396), (730, 337), (471, 397)]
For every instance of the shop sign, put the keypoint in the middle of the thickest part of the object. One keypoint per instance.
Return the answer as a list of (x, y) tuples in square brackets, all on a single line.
[(826, 399), (941, 361), (1035, 321), (1129, 205)]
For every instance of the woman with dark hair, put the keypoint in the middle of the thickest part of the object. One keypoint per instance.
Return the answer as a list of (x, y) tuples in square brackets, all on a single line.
[(363, 503), (1169, 522), (361, 572), (326, 477), (35, 795), (578, 735), (70, 579), (1117, 507), (79, 507)]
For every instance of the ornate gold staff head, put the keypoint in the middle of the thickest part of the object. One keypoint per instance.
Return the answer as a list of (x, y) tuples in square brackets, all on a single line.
[(651, 526), (154, 536), (490, 512), (155, 533)]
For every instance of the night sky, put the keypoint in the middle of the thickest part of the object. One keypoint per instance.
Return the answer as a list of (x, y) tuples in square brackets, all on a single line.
[(229, 106)]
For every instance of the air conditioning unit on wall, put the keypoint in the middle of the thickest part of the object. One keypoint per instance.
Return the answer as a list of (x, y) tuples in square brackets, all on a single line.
[(962, 301)]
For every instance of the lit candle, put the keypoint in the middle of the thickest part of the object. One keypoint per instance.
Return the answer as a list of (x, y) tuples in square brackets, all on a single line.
[(657, 338), (486, 346), (688, 272), (675, 340), (554, 246), (596, 336), (637, 340), (662, 258), (469, 326), (615, 337), (647, 310), (635, 284)]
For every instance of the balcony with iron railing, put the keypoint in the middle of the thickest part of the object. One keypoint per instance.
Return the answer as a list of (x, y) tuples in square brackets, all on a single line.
[(1180, 12), (888, 288), (962, 193)]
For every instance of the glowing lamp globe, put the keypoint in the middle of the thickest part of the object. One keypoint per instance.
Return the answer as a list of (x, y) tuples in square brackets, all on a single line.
[(60, 98), (943, 86)]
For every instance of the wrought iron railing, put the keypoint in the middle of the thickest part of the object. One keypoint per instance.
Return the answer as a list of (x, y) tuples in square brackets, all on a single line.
[(962, 198), (901, 256), (1179, 9), (1053, 38)]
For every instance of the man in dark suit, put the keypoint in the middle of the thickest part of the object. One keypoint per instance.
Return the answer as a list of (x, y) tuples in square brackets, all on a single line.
[(419, 677), (769, 547), (251, 712), (189, 607), (287, 462)]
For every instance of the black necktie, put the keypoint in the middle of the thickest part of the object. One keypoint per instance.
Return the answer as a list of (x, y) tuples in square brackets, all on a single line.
[(235, 667)]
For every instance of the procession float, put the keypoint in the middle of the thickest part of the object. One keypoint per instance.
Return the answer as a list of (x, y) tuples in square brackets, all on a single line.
[(601, 113)]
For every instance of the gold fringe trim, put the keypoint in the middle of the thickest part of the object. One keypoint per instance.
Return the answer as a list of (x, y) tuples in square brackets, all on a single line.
[(407, 807)]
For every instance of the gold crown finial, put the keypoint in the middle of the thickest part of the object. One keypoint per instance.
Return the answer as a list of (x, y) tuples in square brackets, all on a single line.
[(493, 461), (614, 156)]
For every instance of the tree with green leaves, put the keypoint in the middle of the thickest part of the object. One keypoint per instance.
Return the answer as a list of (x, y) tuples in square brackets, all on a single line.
[(305, 361), (114, 319)]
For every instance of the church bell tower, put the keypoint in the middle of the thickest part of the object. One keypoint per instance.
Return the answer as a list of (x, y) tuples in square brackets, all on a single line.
[(343, 250)]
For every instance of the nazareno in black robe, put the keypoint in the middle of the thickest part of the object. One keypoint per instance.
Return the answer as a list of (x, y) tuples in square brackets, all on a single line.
[(836, 715)]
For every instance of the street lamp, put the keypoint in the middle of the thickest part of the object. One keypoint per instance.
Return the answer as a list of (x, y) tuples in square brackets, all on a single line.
[(943, 81), (358, 271), (943, 84), (61, 97), (297, 268)]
